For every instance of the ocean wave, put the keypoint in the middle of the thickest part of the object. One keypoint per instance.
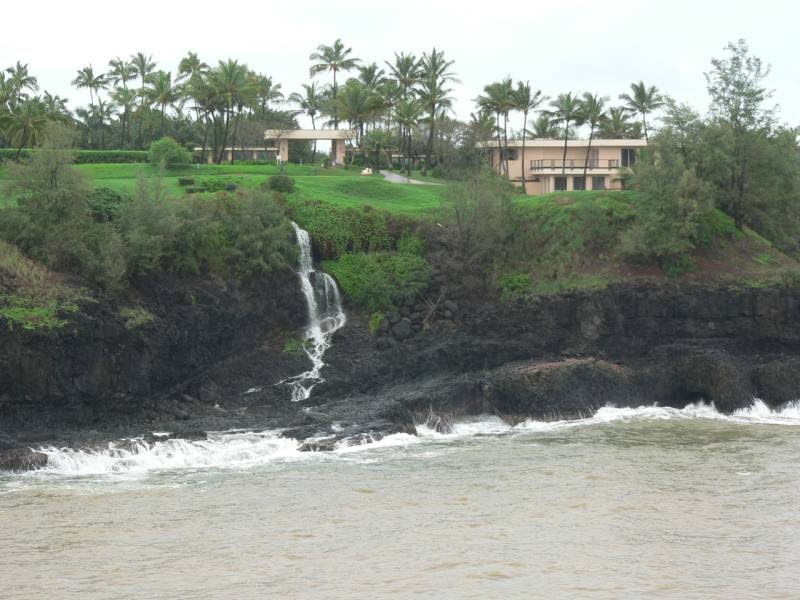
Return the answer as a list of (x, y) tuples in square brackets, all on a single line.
[(246, 449)]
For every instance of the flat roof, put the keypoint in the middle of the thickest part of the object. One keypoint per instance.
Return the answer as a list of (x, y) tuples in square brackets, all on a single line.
[(309, 134), (552, 143)]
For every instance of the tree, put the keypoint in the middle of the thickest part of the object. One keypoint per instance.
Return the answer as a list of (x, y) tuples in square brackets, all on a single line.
[(407, 113), (356, 104), (434, 93), (334, 59), (191, 66), (143, 65), (86, 78), (735, 84), (499, 98), (642, 100), (567, 109), (230, 84), (544, 127), (163, 93), (19, 81), (615, 125), (266, 91), (120, 73), (310, 102), (526, 101), (672, 205), (593, 108), (26, 124)]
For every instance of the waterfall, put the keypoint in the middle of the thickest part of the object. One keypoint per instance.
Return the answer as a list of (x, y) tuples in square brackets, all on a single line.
[(325, 317)]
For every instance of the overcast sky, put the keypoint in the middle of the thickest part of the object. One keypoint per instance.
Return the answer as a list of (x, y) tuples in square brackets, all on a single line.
[(577, 45)]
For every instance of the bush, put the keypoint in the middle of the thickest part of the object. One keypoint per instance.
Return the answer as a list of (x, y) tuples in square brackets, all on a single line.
[(106, 204), (184, 181), (791, 278), (337, 231), (375, 322), (380, 281), (281, 183), (168, 153), (86, 156), (514, 285)]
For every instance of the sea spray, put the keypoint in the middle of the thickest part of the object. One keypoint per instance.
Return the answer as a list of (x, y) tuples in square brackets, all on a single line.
[(325, 316)]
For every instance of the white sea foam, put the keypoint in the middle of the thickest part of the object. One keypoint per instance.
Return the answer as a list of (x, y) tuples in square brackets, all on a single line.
[(246, 449)]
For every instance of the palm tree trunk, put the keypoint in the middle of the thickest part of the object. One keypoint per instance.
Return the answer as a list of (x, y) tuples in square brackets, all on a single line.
[(522, 158), (505, 142), (588, 152), (233, 139), (500, 163), (430, 141), (225, 134), (564, 158), (644, 125), (335, 108), (314, 151), (205, 142), (22, 141), (141, 114)]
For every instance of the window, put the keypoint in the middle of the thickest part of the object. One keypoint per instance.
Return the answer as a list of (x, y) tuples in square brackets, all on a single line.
[(508, 154), (598, 183), (579, 183), (628, 157), (560, 184), (594, 158)]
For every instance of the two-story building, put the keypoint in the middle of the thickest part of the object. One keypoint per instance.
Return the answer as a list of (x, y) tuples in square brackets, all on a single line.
[(547, 171)]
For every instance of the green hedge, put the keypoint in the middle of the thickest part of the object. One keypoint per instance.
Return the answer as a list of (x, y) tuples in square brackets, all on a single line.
[(88, 156)]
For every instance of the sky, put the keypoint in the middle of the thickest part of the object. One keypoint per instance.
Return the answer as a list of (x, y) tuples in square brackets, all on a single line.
[(579, 45)]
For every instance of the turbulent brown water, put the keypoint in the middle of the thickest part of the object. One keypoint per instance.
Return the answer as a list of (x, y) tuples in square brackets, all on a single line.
[(630, 503)]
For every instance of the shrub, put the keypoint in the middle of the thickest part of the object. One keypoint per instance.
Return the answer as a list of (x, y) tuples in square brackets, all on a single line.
[(281, 183), (381, 280), (791, 278), (168, 153), (106, 204), (86, 156), (184, 181), (337, 231), (514, 285), (410, 243), (375, 322)]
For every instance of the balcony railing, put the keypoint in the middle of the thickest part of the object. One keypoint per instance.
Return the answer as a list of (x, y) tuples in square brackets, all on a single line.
[(573, 163)]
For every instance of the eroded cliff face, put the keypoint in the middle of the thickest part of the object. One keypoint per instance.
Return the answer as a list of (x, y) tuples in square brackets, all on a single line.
[(111, 364), (213, 357)]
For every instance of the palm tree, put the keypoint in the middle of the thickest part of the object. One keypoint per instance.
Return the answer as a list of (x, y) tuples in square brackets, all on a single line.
[(567, 109), (594, 112), (101, 113), (406, 71), (371, 76), (544, 127), (190, 66), (334, 59), (434, 93), (615, 125), (162, 92), (143, 66), (121, 72), (356, 104), (526, 101), (310, 102), (86, 78), (407, 114), (26, 123), (19, 81), (124, 98), (642, 100), (500, 97), (230, 83), (266, 91), (56, 107)]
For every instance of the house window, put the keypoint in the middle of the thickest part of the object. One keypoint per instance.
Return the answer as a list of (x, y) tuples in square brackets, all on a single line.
[(594, 158), (560, 184), (598, 183), (628, 157), (579, 183), (508, 154)]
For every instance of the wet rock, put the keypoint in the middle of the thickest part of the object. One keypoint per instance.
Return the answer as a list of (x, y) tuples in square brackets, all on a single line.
[(392, 317), (405, 311), (417, 317), (402, 329), (451, 306), (448, 314), (22, 460), (7, 442)]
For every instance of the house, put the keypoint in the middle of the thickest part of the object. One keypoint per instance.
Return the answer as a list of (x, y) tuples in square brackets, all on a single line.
[(547, 171)]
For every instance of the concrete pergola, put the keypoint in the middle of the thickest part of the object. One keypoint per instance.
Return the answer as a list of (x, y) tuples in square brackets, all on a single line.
[(337, 138)]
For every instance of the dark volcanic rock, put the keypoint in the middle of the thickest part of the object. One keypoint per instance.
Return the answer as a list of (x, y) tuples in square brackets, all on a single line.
[(402, 329), (22, 459)]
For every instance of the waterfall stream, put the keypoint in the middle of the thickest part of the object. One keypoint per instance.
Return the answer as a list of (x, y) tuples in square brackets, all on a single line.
[(325, 317)]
